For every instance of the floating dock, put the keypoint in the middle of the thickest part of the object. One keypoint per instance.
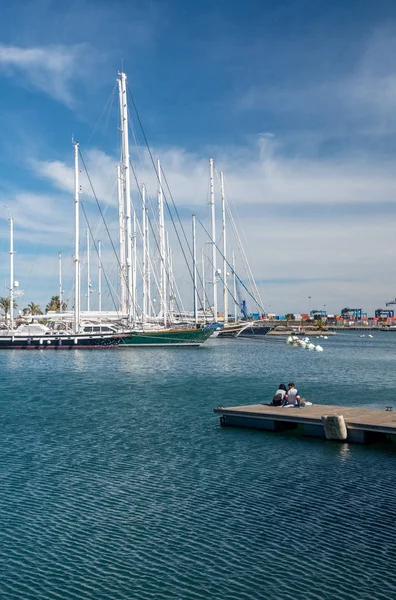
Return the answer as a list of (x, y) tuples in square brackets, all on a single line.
[(361, 425)]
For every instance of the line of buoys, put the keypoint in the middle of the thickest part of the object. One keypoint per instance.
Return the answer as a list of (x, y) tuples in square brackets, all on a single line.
[(305, 343)]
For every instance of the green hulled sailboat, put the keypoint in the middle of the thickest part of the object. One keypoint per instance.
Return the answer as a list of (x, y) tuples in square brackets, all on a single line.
[(167, 337)]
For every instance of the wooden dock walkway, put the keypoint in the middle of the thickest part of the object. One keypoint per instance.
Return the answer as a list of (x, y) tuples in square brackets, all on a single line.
[(363, 425)]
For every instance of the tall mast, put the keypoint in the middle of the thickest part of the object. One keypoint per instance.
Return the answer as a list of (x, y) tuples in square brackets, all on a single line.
[(148, 285), (195, 270), (127, 181), (203, 285), (161, 224), (134, 266), (171, 283), (77, 298), (60, 282), (144, 230), (88, 274), (223, 213), (121, 227), (235, 292), (100, 275), (212, 204), (11, 297)]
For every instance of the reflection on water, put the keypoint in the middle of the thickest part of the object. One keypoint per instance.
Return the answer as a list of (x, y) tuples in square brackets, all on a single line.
[(345, 451), (117, 481)]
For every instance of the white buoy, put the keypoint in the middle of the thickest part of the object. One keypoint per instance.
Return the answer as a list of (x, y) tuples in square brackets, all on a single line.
[(370, 336), (311, 346), (319, 349), (325, 337), (289, 340)]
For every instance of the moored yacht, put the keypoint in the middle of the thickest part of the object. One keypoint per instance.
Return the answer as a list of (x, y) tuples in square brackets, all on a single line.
[(167, 337), (245, 329), (41, 337)]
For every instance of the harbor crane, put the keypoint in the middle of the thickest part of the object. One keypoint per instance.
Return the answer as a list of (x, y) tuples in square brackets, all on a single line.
[(382, 313), (241, 302)]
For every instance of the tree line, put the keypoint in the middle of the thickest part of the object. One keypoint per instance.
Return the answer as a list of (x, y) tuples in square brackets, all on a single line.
[(54, 305)]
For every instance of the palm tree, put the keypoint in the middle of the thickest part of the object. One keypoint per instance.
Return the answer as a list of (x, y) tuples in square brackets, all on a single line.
[(321, 324), (55, 305), (5, 305), (34, 309)]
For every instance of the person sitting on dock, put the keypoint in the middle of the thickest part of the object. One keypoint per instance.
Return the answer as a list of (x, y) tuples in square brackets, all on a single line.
[(292, 397), (279, 395)]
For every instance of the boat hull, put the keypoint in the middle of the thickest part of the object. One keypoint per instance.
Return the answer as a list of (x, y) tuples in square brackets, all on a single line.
[(254, 331), (77, 342), (228, 332), (170, 338), (244, 331)]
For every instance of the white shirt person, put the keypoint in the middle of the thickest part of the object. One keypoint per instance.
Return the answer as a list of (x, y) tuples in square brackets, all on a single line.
[(292, 397)]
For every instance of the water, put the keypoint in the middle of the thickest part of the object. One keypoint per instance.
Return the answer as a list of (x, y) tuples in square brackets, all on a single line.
[(118, 483)]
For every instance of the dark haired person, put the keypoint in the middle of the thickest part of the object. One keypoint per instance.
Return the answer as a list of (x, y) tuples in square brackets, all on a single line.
[(280, 394)]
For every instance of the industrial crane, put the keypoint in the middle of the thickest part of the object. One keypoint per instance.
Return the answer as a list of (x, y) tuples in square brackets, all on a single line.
[(241, 303)]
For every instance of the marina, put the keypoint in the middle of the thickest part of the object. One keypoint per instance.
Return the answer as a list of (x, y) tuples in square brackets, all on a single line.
[(137, 318), (198, 202)]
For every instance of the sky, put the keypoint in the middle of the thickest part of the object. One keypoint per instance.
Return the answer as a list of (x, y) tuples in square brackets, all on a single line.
[(295, 100)]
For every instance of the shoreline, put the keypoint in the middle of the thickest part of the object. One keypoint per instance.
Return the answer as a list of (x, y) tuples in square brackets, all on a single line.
[(309, 333)]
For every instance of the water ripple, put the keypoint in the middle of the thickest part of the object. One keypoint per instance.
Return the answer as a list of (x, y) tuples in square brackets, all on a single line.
[(118, 483)]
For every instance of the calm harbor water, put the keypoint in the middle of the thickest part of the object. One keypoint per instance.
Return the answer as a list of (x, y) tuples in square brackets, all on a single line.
[(118, 483)]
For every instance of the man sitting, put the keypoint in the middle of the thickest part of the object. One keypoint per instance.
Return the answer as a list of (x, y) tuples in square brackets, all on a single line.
[(292, 397)]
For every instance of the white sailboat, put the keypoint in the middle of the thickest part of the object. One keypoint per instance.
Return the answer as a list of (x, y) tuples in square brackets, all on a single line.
[(144, 327), (38, 336)]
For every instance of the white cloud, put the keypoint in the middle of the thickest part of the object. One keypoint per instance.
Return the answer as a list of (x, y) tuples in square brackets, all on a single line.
[(269, 180), (322, 226), (101, 170), (50, 69)]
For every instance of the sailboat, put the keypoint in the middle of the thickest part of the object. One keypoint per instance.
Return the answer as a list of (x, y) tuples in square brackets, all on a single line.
[(167, 337), (236, 327), (143, 328), (243, 330), (38, 336)]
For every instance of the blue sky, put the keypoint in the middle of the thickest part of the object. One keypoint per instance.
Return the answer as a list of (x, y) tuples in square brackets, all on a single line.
[(295, 100)]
